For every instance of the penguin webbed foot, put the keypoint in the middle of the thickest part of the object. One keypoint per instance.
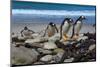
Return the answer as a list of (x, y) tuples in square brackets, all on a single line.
[(65, 37)]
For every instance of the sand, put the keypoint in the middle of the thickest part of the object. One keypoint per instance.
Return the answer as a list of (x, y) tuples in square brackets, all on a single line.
[(38, 27)]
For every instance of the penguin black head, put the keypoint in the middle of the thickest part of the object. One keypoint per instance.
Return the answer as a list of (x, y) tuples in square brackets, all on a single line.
[(25, 28), (82, 17), (69, 20), (51, 24)]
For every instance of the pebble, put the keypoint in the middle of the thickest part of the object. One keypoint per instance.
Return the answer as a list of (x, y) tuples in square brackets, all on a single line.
[(91, 47), (57, 50), (39, 62), (82, 38), (40, 50), (49, 45), (46, 58), (69, 60)]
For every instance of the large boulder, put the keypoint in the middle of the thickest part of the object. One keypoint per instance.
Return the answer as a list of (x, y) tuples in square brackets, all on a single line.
[(22, 56)]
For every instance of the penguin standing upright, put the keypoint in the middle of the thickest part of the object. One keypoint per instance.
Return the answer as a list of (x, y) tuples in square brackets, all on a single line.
[(51, 29), (64, 28), (77, 27)]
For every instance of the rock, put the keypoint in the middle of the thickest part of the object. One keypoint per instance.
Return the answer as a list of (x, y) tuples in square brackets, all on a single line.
[(79, 44), (46, 58), (82, 38), (35, 52), (57, 58), (23, 56), (19, 44), (21, 38), (40, 50), (52, 61), (36, 40), (91, 47), (18, 39), (37, 45), (60, 44), (69, 60), (90, 35), (58, 50), (35, 35), (39, 62), (81, 35), (68, 42), (49, 45), (54, 38)]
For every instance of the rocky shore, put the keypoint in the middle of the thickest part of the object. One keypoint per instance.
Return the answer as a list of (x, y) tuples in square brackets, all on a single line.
[(49, 50)]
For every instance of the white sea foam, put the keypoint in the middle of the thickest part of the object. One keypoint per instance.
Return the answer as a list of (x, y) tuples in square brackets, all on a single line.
[(54, 12)]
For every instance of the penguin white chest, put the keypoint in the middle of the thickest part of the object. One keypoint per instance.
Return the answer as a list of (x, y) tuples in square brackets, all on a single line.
[(25, 32), (78, 26), (66, 27), (51, 31)]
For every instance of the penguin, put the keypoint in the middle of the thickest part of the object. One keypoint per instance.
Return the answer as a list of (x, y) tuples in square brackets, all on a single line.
[(26, 32), (65, 27), (51, 29), (77, 27)]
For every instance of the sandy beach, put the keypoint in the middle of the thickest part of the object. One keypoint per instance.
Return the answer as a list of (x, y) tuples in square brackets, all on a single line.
[(38, 27)]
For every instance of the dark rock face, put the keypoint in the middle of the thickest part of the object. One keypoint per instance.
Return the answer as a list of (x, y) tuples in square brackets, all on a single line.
[(90, 35)]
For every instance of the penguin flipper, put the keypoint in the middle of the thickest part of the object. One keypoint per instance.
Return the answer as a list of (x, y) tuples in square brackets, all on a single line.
[(56, 28), (21, 33), (61, 32)]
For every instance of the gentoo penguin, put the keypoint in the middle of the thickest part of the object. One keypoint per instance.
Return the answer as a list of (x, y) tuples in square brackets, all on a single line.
[(77, 27), (51, 29), (26, 32), (64, 28)]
